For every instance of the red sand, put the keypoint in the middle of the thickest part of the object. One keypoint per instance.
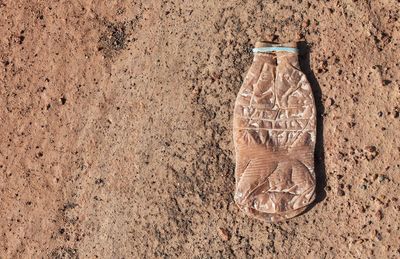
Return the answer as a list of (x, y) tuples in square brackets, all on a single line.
[(116, 128)]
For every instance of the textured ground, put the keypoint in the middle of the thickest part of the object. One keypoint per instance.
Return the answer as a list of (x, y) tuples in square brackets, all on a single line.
[(116, 128)]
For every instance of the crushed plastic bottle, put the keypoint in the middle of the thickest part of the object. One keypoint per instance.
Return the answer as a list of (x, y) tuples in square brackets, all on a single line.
[(274, 129)]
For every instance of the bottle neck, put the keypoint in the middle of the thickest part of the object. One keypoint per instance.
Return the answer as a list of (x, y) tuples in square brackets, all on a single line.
[(278, 58), (277, 53)]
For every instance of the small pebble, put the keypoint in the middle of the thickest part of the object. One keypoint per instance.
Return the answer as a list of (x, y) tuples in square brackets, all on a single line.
[(63, 100), (379, 214), (378, 235), (396, 114), (381, 178), (329, 102), (371, 148), (223, 234), (340, 192)]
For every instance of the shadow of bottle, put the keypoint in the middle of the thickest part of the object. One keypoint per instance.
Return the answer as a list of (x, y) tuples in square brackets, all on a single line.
[(304, 60)]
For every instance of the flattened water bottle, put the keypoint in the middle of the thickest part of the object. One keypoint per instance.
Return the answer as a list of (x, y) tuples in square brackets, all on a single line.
[(274, 130)]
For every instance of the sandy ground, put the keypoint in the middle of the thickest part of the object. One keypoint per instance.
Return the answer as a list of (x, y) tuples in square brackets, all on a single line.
[(116, 128)]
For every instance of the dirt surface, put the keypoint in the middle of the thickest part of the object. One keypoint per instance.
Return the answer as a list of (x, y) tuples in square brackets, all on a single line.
[(116, 128)]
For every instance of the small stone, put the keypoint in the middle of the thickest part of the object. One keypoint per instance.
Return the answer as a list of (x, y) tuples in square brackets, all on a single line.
[(223, 234), (340, 192), (396, 114), (363, 187), (329, 102), (63, 100), (381, 178), (371, 148), (386, 82), (216, 75), (379, 214), (378, 235)]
